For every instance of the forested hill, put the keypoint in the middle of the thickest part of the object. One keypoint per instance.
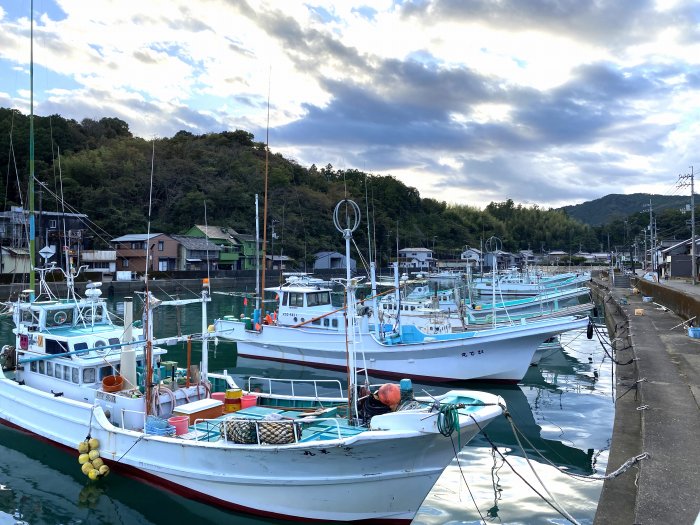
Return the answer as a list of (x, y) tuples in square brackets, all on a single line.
[(617, 206), (105, 172)]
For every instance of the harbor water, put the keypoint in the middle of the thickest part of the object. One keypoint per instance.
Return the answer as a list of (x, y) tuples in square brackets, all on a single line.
[(539, 466)]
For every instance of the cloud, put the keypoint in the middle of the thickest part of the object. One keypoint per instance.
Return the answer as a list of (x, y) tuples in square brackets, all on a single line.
[(469, 101)]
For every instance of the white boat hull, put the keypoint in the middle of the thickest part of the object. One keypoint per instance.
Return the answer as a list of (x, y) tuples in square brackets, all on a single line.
[(492, 354), (340, 479)]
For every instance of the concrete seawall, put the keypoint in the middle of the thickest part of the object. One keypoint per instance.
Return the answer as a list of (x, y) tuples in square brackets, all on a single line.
[(657, 415)]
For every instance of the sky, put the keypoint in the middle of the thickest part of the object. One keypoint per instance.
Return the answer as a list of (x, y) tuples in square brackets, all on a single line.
[(545, 102)]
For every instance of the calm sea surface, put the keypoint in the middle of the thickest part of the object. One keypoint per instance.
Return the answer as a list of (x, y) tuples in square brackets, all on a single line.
[(563, 411)]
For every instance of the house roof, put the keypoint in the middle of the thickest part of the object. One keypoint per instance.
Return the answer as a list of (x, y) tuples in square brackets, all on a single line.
[(196, 243), (245, 237), (136, 237), (218, 232), (415, 250)]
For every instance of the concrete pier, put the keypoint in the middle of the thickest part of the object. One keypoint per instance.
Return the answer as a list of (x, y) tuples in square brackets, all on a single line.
[(658, 404)]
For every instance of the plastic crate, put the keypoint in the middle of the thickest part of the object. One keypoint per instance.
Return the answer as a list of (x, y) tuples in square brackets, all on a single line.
[(694, 332)]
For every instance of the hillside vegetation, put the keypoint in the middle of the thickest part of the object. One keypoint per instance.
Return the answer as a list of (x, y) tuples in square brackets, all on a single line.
[(105, 172)]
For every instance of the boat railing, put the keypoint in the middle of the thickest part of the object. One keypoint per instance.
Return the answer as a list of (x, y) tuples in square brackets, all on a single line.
[(291, 383), (140, 413)]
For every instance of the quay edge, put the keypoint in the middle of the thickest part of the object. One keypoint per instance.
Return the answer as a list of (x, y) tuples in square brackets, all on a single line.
[(657, 407)]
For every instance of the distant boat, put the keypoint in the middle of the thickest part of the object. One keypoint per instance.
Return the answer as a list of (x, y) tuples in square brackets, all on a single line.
[(307, 329), (518, 283)]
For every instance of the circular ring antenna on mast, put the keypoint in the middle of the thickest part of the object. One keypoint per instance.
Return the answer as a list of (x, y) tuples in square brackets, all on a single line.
[(350, 211), (493, 245)]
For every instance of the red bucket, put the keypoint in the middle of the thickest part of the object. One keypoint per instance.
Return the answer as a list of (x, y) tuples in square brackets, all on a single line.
[(181, 424), (249, 401)]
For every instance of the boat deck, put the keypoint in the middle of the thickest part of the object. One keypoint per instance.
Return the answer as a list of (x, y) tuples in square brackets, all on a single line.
[(325, 426)]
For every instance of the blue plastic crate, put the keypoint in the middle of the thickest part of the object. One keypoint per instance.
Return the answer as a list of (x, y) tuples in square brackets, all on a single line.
[(694, 332)]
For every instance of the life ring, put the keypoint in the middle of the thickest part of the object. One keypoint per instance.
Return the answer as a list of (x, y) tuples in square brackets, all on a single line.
[(60, 317)]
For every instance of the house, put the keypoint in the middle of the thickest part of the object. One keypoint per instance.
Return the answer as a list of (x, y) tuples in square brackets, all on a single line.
[(332, 260), (132, 249), (104, 261), (57, 230), (676, 260), (472, 257), (14, 260), (237, 250), (500, 260), (277, 262), (420, 258), (196, 253)]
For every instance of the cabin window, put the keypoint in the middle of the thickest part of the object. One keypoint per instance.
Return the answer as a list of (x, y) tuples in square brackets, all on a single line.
[(99, 344), (49, 368), (59, 318), (326, 322), (334, 323), (114, 341), (88, 375), (58, 369), (28, 317), (74, 375), (42, 367), (105, 371), (316, 322), (80, 348), (33, 366), (318, 298), (296, 299), (56, 347)]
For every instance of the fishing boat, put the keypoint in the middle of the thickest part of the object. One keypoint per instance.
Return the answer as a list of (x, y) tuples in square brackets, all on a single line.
[(517, 283), (307, 329)]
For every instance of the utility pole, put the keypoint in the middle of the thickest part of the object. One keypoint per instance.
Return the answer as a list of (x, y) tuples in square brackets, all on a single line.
[(651, 241), (692, 219)]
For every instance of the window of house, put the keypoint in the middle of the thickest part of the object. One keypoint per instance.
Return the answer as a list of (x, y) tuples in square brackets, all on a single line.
[(52, 224), (125, 263), (161, 246)]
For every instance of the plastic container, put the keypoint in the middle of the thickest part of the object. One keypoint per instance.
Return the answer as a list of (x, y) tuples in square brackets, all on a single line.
[(221, 396), (112, 383), (249, 401), (181, 424), (694, 332)]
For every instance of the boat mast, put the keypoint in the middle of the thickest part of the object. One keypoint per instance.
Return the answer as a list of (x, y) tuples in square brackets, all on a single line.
[(32, 227), (349, 226), (264, 245)]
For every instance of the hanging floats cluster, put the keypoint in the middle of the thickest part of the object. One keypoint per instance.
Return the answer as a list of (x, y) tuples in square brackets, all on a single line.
[(92, 465)]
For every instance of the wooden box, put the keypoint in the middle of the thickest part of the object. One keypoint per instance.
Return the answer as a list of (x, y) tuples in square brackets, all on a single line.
[(202, 409)]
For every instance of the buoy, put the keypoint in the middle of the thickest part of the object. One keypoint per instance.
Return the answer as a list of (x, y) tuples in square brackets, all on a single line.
[(86, 468), (104, 470), (83, 458), (589, 330), (94, 474), (94, 443), (94, 454), (83, 447), (97, 462)]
